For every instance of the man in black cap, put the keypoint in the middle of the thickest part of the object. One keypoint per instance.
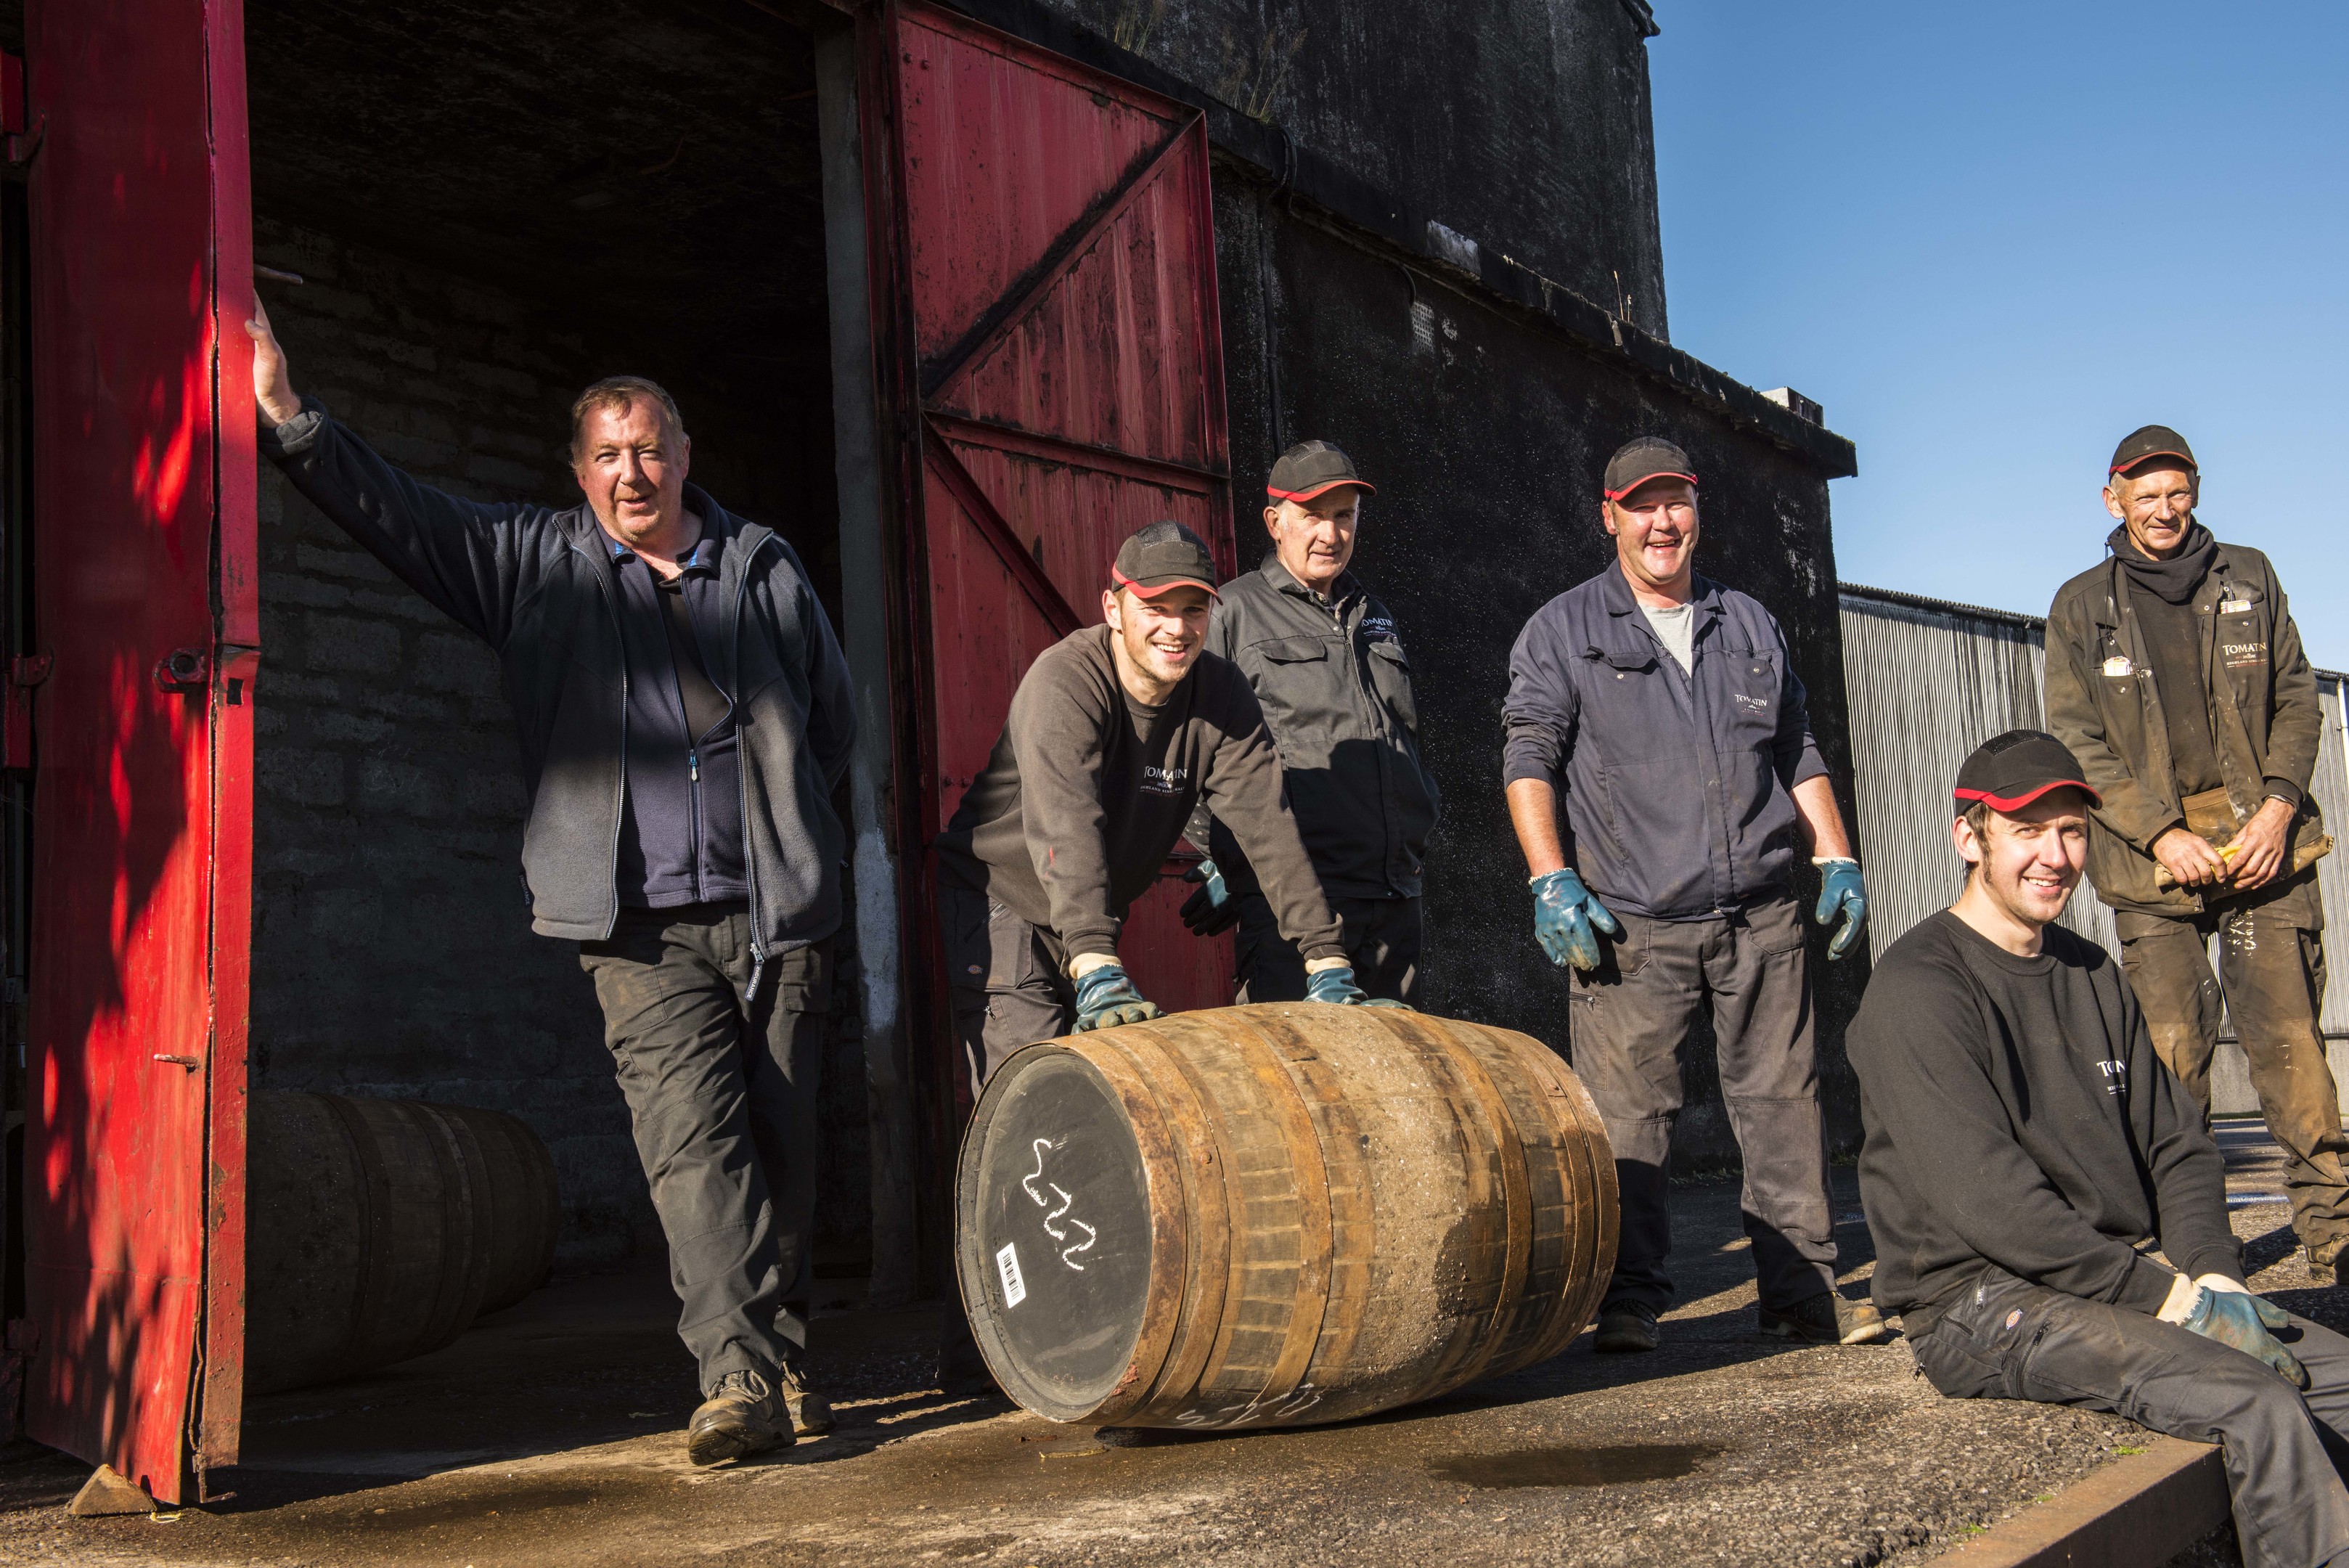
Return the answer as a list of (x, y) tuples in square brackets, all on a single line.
[(1664, 708), (2026, 1150), (2176, 674), (1326, 663), (1115, 734)]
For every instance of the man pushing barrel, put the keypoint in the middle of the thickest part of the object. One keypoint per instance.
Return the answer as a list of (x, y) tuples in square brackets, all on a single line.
[(1116, 732)]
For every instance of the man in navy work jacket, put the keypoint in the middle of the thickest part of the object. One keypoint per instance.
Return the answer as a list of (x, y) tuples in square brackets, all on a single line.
[(684, 712), (2028, 1146), (1661, 711), (1324, 658)]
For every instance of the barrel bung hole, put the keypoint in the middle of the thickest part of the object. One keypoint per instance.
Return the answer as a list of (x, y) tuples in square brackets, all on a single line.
[(1567, 1465)]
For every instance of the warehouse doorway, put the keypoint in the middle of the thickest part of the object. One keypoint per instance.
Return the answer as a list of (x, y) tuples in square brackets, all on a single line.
[(937, 305)]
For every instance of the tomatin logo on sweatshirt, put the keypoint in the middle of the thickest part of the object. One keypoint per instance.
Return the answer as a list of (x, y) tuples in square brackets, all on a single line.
[(1156, 780)]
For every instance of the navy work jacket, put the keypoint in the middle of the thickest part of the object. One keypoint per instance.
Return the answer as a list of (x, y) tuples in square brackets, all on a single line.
[(1674, 786)]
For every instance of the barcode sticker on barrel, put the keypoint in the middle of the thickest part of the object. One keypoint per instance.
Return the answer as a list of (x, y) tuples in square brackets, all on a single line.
[(1006, 1263)]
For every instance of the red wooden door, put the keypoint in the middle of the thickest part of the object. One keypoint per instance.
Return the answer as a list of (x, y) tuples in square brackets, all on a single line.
[(144, 548), (1055, 270)]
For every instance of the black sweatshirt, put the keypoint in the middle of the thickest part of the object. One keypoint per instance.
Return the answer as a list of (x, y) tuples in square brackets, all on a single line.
[(1088, 791), (2016, 1115)]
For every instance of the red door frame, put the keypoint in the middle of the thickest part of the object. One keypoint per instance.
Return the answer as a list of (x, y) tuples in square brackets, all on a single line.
[(927, 360), (145, 534)]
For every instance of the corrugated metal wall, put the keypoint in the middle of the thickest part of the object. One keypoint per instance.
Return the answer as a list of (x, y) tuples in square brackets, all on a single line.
[(1927, 681)]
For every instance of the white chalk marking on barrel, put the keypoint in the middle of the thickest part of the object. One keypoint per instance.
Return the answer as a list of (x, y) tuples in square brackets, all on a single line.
[(1029, 1183), (1006, 1263)]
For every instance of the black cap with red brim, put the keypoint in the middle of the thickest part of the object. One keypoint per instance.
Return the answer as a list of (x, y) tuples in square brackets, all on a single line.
[(2009, 772), (1638, 462), (1163, 555), (1312, 468), (2146, 443)]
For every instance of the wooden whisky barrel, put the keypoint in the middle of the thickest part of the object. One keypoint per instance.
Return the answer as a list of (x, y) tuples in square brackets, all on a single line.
[(379, 1230), (1279, 1214)]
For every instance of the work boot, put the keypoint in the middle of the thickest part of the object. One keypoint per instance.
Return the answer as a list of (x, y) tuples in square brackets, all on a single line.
[(1625, 1327), (1826, 1319), (811, 1412), (2328, 1263), (744, 1415)]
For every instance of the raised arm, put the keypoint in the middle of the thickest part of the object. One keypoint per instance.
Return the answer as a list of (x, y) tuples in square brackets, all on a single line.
[(466, 557)]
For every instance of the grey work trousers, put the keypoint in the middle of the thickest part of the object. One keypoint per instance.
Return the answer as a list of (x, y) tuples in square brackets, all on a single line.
[(2271, 964), (722, 1102), (1382, 942), (2002, 1338), (1630, 1020), (1007, 986)]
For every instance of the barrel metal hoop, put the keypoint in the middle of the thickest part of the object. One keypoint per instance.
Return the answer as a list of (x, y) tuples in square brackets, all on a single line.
[(1467, 1355), (375, 1248), (1590, 1163), (1229, 1217), (1203, 1153), (1311, 1303), (1170, 1232), (1476, 1072), (467, 1204)]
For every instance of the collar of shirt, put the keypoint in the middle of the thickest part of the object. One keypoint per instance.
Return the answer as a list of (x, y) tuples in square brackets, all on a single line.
[(1344, 589), (1615, 592), (702, 561)]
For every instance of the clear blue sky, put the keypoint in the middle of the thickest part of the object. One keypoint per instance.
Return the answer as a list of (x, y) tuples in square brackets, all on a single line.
[(1993, 238)]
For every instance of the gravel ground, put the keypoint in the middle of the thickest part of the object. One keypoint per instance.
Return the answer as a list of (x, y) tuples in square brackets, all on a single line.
[(552, 1436)]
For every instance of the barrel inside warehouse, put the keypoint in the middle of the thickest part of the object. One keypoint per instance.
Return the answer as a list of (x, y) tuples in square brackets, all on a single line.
[(1279, 1214), (379, 1229)]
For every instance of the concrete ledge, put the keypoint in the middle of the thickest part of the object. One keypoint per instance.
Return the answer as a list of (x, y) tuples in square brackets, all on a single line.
[(2141, 1508)]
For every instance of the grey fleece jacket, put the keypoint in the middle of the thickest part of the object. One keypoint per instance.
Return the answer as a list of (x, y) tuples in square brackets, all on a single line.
[(536, 585), (1088, 791)]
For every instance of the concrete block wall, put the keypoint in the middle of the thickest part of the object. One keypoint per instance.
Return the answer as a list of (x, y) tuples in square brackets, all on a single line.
[(392, 951)]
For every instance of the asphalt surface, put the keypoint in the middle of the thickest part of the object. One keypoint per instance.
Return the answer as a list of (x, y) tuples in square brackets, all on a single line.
[(553, 1435)]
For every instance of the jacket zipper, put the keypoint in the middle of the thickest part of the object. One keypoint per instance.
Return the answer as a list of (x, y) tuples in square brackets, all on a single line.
[(742, 776), (620, 799)]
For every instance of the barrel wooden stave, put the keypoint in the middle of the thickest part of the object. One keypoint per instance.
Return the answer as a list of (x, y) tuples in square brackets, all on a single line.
[(1352, 1209), (379, 1230)]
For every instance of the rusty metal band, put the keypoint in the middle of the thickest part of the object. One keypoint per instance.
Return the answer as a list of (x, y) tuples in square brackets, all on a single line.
[(1170, 1242), (1203, 1158), (1310, 1179), (1516, 1192), (374, 1239), (1590, 1162)]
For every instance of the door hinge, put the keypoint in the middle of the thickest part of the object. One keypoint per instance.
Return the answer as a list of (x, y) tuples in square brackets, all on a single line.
[(26, 673)]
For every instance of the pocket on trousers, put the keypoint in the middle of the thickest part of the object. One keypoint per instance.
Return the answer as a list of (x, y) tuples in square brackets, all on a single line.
[(1952, 1362), (1776, 928), (805, 984)]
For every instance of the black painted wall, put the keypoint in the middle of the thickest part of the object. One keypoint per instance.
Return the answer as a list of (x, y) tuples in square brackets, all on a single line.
[(1485, 433), (1522, 124)]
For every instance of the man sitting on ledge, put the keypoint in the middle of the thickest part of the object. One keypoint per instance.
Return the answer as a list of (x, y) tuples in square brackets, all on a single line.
[(2026, 1149)]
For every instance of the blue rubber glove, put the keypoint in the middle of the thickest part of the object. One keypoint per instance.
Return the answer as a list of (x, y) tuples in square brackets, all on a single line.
[(1211, 910), (1565, 916), (1105, 999), (1843, 892), (1335, 984), (2242, 1320)]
